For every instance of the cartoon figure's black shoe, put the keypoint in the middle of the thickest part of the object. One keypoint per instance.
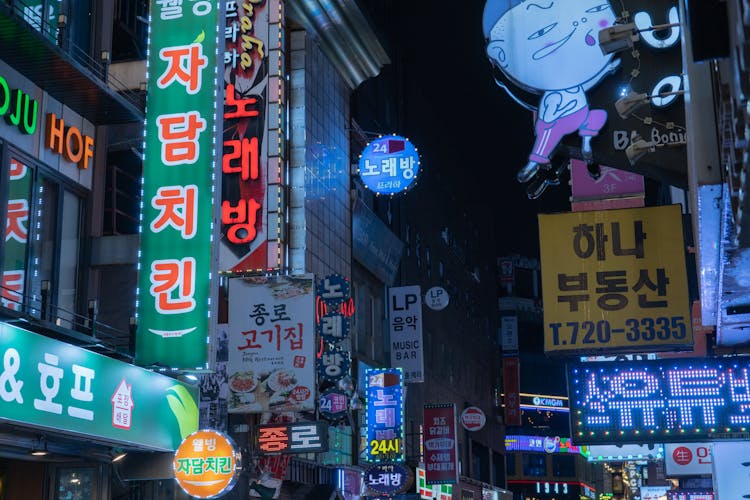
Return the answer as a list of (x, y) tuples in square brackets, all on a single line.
[(538, 184), (528, 171)]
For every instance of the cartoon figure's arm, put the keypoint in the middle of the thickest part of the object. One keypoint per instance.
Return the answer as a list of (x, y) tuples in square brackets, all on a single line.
[(553, 106), (606, 70)]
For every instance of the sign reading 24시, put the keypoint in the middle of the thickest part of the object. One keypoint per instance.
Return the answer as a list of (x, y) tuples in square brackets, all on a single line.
[(614, 281)]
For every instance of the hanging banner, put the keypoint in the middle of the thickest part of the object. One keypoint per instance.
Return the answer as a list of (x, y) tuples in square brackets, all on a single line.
[(512, 389), (252, 205), (16, 233), (614, 281), (440, 444), (405, 320), (178, 168), (271, 344)]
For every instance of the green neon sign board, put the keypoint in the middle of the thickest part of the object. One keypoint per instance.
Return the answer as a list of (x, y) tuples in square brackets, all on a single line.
[(51, 384), (175, 262)]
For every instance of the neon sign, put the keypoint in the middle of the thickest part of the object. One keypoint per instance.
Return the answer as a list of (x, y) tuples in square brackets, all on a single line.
[(385, 414), (389, 165), (685, 400)]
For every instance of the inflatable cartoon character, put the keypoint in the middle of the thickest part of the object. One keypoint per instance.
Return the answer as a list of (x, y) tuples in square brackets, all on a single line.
[(550, 47)]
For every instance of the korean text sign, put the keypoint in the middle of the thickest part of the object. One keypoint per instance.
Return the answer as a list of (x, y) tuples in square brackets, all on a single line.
[(178, 165), (678, 400), (251, 212), (16, 235), (205, 464), (440, 444), (384, 391), (687, 459), (405, 321), (59, 386), (271, 363), (389, 165), (614, 281), (297, 437)]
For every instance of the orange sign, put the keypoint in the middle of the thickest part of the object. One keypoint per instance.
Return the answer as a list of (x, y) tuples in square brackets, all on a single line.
[(69, 142), (205, 464)]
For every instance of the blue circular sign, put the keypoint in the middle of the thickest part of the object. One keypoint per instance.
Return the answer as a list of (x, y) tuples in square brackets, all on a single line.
[(389, 165)]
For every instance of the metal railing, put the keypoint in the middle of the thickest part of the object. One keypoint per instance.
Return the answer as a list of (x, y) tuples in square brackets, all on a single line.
[(56, 31)]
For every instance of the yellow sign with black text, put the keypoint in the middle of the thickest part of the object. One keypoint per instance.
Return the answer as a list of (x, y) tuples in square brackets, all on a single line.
[(614, 281)]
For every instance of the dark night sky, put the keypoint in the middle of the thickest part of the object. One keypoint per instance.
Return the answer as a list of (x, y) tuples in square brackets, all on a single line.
[(466, 127)]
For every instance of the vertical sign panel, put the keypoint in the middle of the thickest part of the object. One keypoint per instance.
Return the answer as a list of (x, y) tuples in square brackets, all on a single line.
[(405, 320), (440, 444), (271, 364), (384, 390), (178, 165), (252, 164), (16, 235), (512, 389), (731, 469), (614, 281)]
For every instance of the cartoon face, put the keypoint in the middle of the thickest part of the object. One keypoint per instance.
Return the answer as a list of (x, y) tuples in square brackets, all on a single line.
[(551, 44)]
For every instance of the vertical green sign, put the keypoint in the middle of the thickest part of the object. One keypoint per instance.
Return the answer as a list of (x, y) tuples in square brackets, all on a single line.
[(179, 157), (51, 384), (16, 235)]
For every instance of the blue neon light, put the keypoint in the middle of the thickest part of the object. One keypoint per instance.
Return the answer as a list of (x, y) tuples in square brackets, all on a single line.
[(389, 165)]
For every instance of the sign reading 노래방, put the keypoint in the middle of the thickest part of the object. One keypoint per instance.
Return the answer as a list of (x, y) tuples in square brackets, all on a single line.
[(614, 281), (405, 320), (253, 159), (389, 165), (384, 391), (59, 386), (178, 169), (271, 365)]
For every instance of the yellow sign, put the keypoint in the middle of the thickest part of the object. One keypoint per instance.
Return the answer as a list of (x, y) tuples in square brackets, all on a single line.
[(614, 281), (205, 464)]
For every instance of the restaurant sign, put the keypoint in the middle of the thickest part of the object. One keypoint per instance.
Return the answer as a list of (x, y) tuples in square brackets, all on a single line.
[(206, 464), (51, 384)]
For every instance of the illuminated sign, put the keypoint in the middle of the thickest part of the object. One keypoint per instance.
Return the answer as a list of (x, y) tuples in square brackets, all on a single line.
[(174, 279), (614, 281), (18, 108), (432, 491), (472, 418), (206, 464), (298, 437), (552, 489), (687, 459), (384, 391), (620, 452), (675, 400), (552, 52), (17, 220), (537, 401), (68, 141), (546, 444), (440, 443), (388, 478), (405, 323), (252, 200), (389, 165), (689, 495)]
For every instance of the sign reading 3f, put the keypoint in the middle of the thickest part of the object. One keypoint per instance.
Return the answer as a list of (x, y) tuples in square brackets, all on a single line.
[(405, 321)]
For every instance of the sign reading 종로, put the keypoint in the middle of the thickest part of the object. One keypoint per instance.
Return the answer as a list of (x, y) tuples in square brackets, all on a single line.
[(614, 281), (296, 437), (677, 400), (178, 169), (51, 384), (389, 165)]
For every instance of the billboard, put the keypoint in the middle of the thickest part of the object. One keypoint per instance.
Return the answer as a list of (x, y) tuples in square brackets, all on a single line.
[(679, 400), (543, 444), (252, 205), (614, 281), (384, 392), (271, 365), (405, 321), (440, 444), (177, 188), (687, 459), (731, 469)]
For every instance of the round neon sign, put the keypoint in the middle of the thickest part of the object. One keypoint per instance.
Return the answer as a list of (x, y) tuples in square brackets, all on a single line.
[(205, 464), (389, 165)]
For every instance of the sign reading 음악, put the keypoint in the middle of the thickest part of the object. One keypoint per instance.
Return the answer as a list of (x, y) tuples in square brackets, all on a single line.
[(405, 321)]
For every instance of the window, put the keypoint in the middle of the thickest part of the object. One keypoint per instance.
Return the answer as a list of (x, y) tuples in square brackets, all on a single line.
[(534, 465), (563, 465)]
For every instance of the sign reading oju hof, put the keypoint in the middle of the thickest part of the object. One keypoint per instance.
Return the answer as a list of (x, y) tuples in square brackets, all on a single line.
[(205, 464), (614, 281)]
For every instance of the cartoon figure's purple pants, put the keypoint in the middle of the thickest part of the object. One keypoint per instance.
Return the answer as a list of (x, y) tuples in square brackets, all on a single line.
[(548, 135)]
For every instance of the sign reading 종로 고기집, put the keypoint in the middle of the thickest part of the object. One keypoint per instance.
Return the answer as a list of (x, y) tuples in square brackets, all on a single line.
[(178, 167), (614, 281), (51, 384), (389, 165)]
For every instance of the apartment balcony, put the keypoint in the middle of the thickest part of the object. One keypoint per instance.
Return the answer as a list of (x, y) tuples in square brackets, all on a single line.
[(41, 49)]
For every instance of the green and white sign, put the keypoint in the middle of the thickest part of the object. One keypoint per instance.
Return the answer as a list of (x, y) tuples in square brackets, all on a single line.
[(51, 384), (178, 165)]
